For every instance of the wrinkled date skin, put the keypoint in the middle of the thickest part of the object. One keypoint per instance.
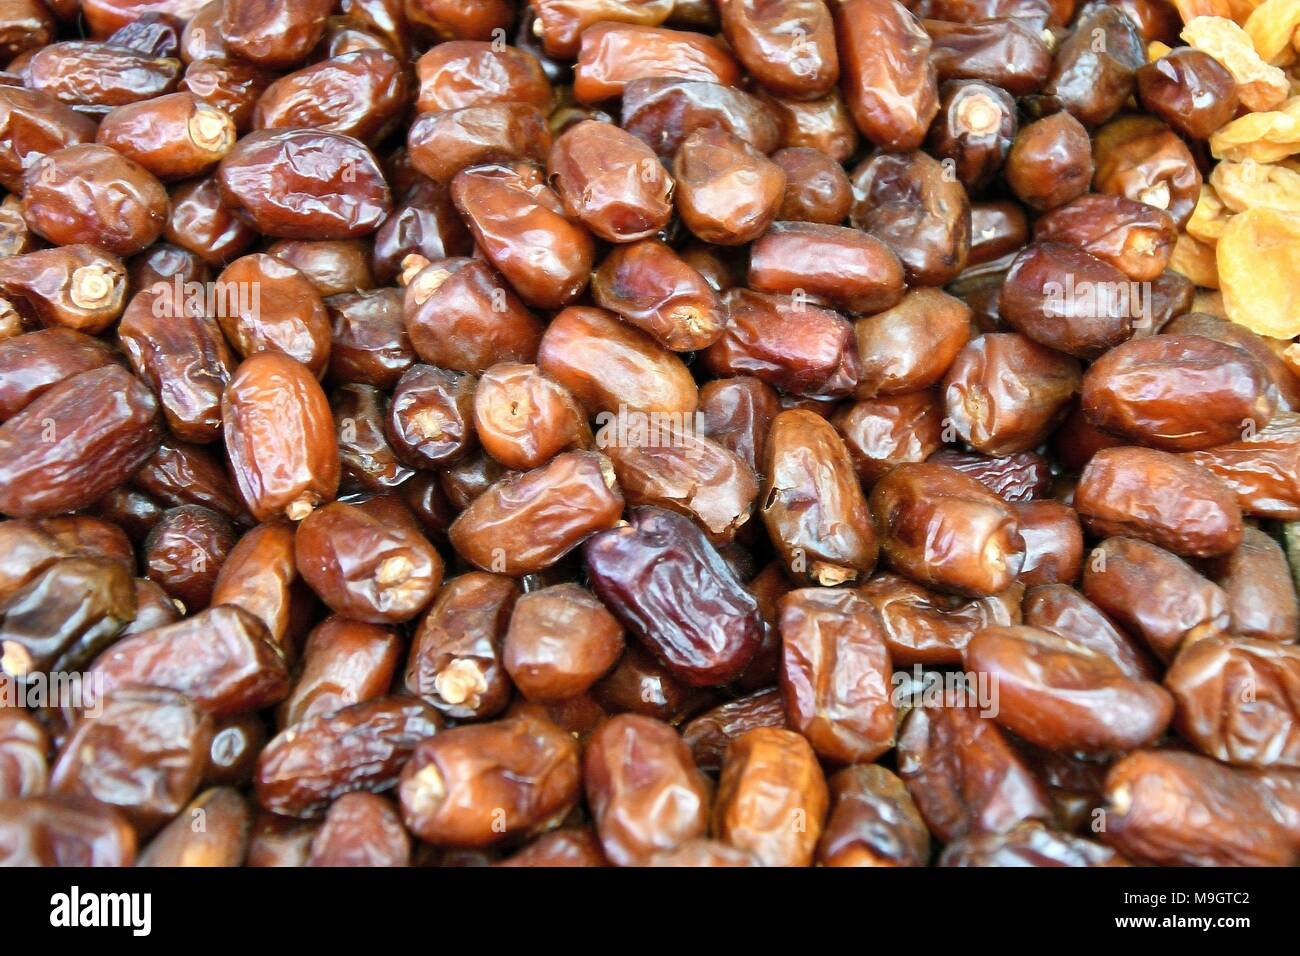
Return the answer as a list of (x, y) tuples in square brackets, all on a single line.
[(944, 529), (223, 659), (561, 640), (787, 342), (849, 269), (64, 831), (1261, 594), (1154, 595), (912, 345), (1160, 498), (305, 184), (1063, 695), (772, 797), (477, 785), (364, 567), (144, 754), (35, 362), (1028, 844), (524, 523), (344, 662), (653, 288), (1239, 700), (813, 506), (523, 419), (709, 734), (75, 442), (610, 181), (645, 792), (873, 821), (1178, 393), (888, 81), (184, 552), (362, 747), (926, 627), (612, 55), (789, 46), (361, 829), (963, 774), (908, 201), (673, 591), (835, 674), (519, 223), (456, 657), (24, 748), (1167, 808), (34, 124), (728, 193), (67, 199)]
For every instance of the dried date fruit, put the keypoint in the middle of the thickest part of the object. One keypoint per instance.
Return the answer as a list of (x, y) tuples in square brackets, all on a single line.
[(927, 627), (344, 662), (873, 821)]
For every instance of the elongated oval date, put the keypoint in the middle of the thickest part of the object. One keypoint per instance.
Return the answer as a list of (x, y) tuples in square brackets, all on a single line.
[(24, 747), (873, 821), (789, 47), (364, 567), (456, 658), (912, 345), (1154, 595), (344, 662), (34, 362), (1261, 593), (525, 523), (369, 343), (963, 773), (223, 659), (1053, 540), (1168, 808), (66, 202), (1005, 393), (184, 358), (35, 123), (75, 442), (881, 433), (1178, 392), (1007, 52), (772, 797), (1239, 700), (1060, 694), (787, 342), (64, 831), (560, 641), (849, 269), (1058, 296), (835, 674), (673, 591), (462, 315), (1160, 498), (279, 437), (612, 55), (175, 136), (1134, 237), (519, 223), (64, 615), (653, 288), (813, 506), (478, 785), (143, 752), (361, 829), (523, 419), (645, 793), (888, 80), (610, 366), (737, 414), (305, 184), (362, 747), (927, 627), (728, 192), (610, 181), (1063, 610), (442, 144), (946, 530), (99, 76), (360, 94), (908, 201), (259, 575), (1263, 469), (268, 305), (78, 287), (678, 469), (462, 73), (368, 460), (272, 35)]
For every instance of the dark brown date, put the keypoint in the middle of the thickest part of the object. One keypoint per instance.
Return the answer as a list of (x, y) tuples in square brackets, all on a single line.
[(873, 821)]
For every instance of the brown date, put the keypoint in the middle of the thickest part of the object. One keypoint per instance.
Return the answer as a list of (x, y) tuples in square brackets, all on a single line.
[(610, 181), (279, 437), (344, 662), (873, 821), (888, 80), (727, 192), (612, 55), (560, 641), (64, 831), (185, 550), (844, 267), (1261, 595), (645, 793), (927, 627)]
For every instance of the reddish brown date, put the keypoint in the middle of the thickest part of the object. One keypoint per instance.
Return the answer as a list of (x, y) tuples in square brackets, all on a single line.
[(873, 821)]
